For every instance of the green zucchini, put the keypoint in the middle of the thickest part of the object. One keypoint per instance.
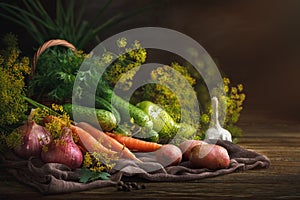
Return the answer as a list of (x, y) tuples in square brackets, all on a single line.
[(104, 118)]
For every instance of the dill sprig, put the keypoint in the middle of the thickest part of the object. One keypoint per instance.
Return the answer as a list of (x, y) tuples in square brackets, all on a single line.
[(13, 69)]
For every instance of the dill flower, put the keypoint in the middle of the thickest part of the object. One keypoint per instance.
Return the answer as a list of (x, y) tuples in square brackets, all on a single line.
[(205, 118), (13, 70), (95, 163), (127, 62), (122, 42), (240, 87), (107, 57), (57, 107)]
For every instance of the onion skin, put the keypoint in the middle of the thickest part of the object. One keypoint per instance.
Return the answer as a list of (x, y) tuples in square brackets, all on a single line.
[(33, 139), (63, 151)]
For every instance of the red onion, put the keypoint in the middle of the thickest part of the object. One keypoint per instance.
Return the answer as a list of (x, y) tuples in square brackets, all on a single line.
[(34, 137), (63, 151)]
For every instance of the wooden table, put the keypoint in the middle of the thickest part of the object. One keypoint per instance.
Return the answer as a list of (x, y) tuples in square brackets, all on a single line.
[(263, 133)]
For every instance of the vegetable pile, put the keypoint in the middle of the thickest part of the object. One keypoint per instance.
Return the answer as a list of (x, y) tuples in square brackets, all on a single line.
[(114, 129)]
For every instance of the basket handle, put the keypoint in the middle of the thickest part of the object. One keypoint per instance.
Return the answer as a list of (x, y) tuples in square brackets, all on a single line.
[(46, 45)]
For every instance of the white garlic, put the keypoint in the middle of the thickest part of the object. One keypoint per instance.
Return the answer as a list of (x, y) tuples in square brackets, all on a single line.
[(217, 131)]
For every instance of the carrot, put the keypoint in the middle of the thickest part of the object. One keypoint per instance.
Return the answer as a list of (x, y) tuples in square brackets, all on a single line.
[(135, 144), (90, 144), (107, 141)]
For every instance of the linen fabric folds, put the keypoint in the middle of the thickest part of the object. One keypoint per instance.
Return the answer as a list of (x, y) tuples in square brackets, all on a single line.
[(54, 178)]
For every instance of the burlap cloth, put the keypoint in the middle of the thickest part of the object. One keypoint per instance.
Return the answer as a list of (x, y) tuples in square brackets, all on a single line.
[(53, 178)]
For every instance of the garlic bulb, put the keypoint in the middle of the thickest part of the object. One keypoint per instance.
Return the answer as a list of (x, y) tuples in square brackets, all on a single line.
[(217, 131), (34, 137)]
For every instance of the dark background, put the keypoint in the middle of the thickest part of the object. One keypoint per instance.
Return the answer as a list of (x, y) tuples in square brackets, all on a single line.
[(256, 43)]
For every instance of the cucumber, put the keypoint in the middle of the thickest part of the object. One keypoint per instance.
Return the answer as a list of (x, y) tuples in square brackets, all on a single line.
[(140, 117), (151, 136), (101, 103), (104, 118), (162, 121), (121, 131)]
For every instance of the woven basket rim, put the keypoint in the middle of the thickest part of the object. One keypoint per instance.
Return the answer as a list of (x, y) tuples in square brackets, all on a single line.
[(45, 46)]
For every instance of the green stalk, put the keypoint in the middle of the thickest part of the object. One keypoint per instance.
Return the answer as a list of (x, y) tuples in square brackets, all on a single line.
[(38, 105)]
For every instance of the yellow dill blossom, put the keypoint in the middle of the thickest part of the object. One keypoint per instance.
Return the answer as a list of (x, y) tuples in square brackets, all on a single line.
[(122, 42), (226, 81), (57, 124), (240, 87), (13, 70), (121, 58), (205, 118), (97, 162), (125, 66), (136, 44), (226, 88), (107, 57), (87, 160), (39, 114), (234, 90), (57, 107), (242, 97), (14, 139)]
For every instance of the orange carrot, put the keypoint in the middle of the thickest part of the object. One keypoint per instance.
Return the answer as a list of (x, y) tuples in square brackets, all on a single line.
[(135, 144), (90, 144), (107, 141)]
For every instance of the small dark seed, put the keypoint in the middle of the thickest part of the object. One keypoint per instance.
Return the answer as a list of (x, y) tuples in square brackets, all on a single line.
[(143, 186), (134, 185)]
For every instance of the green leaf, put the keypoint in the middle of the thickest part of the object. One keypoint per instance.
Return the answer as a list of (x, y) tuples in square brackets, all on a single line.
[(88, 175), (65, 24)]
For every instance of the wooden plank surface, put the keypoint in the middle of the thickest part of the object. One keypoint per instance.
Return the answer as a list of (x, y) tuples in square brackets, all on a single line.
[(277, 139)]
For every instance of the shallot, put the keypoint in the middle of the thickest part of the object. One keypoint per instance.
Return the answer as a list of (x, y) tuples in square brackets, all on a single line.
[(63, 151)]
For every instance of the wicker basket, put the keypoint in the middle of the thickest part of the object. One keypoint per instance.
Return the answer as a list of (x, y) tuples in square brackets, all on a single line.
[(54, 42), (46, 45)]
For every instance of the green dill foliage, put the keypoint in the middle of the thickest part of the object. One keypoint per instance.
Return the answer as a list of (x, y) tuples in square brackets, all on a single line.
[(55, 74), (13, 70)]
